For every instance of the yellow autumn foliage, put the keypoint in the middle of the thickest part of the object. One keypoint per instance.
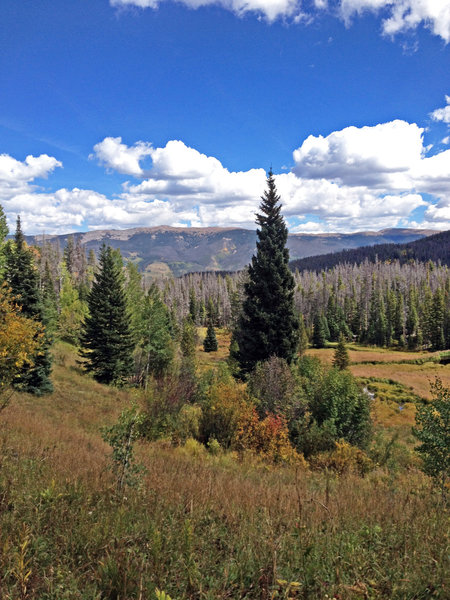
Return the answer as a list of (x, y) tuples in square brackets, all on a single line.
[(20, 338)]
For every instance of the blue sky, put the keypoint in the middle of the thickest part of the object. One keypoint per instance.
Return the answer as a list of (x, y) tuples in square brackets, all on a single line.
[(125, 113)]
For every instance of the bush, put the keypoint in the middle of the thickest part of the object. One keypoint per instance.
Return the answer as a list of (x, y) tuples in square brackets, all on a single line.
[(334, 408), (275, 387), (223, 406), (344, 458), (339, 399), (434, 434), (193, 448), (268, 437), (187, 423)]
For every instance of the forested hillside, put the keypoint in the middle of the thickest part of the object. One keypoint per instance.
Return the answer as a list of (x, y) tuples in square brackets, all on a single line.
[(376, 303), (165, 251), (434, 247)]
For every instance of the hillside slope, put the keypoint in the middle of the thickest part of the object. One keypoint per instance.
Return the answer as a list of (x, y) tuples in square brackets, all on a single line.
[(179, 250), (434, 247), (67, 532)]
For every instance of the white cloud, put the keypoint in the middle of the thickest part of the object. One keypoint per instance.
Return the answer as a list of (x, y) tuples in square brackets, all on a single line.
[(353, 179), (372, 156), (309, 227), (271, 9), (442, 114), (404, 14), (138, 3), (400, 15), (15, 171), (125, 159), (387, 158)]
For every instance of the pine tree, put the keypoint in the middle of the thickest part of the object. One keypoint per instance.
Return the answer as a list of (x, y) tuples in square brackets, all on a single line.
[(3, 234), (377, 331), (193, 308), (22, 275), (106, 338), (135, 295), (412, 321), (49, 302), (341, 359), (210, 341), (302, 337), (319, 338), (188, 340), (268, 325), (23, 280), (438, 314)]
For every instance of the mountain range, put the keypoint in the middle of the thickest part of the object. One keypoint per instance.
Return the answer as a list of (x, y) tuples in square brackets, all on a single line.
[(168, 250)]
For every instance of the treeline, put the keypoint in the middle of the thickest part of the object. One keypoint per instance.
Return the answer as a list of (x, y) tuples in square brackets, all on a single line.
[(434, 247), (379, 303)]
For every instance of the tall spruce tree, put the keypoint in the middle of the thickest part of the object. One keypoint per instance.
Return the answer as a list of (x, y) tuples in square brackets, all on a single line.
[(106, 340), (210, 341), (3, 234), (268, 325), (22, 277), (341, 359)]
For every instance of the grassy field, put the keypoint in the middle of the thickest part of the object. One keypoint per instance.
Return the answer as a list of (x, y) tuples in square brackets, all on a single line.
[(414, 370), (365, 354), (208, 360), (200, 526), (417, 377)]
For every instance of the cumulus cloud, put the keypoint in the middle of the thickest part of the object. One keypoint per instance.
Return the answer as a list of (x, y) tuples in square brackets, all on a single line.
[(375, 156), (352, 179), (113, 154), (15, 171), (442, 114), (390, 156), (404, 15)]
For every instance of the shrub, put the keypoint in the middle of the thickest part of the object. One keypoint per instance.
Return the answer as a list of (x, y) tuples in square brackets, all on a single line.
[(434, 434), (339, 399), (344, 458), (334, 408), (223, 406), (121, 438), (187, 423), (193, 448), (275, 387), (268, 437)]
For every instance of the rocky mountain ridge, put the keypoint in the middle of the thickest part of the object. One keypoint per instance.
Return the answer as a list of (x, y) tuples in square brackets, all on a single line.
[(178, 250)]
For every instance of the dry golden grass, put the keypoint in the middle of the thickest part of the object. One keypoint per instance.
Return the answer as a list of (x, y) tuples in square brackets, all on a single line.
[(63, 427), (208, 360), (360, 354), (199, 526), (418, 377)]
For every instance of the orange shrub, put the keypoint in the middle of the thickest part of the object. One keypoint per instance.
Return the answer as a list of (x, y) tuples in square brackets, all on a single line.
[(268, 437)]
